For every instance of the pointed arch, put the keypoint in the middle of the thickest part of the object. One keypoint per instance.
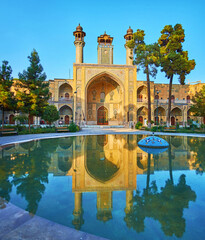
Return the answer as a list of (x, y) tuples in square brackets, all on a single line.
[(104, 89), (108, 74)]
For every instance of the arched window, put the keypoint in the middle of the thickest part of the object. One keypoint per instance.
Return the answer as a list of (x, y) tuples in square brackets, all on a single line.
[(102, 96), (172, 98), (188, 99), (66, 95), (140, 97)]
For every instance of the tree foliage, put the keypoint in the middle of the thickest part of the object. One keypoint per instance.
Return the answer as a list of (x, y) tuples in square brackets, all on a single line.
[(146, 55), (198, 107), (147, 59), (51, 114), (34, 93), (173, 60), (20, 118), (6, 96)]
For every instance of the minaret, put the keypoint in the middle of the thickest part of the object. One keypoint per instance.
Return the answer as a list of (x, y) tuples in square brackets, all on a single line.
[(129, 51), (105, 49), (79, 43)]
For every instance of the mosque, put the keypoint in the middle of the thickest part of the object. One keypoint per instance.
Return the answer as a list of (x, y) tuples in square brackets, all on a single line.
[(110, 94)]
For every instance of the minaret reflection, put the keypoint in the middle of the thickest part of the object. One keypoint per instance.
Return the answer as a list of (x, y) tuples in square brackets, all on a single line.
[(78, 212), (107, 163), (103, 164)]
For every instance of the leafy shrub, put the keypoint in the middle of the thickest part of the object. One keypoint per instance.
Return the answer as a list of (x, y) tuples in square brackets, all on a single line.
[(154, 129), (190, 121), (202, 125), (37, 130), (9, 126), (161, 128), (20, 128), (138, 125), (21, 118), (78, 128), (73, 127)]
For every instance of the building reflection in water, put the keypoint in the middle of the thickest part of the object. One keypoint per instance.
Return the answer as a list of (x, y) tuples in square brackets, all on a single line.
[(108, 163), (104, 164)]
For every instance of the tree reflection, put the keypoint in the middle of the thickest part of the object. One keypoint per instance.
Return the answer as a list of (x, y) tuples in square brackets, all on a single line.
[(5, 173), (165, 205), (30, 175)]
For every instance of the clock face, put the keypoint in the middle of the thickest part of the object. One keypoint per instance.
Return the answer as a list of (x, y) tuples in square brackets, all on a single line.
[(105, 52)]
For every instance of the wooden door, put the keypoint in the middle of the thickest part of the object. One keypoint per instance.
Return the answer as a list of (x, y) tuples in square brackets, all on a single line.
[(11, 119), (172, 121), (66, 119), (156, 120), (102, 116)]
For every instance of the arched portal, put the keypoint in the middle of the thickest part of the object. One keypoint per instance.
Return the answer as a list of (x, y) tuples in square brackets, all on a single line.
[(65, 92), (104, 101), (66, 114), (142, 93), (142, 115), (176, 116), (103, 159), (160, 115)]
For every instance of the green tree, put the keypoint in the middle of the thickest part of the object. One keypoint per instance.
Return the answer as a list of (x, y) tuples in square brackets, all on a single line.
[(20, 118), (173, 60), (198, 107), (146, 58), (6, 96), (34, 93), (51, 114)]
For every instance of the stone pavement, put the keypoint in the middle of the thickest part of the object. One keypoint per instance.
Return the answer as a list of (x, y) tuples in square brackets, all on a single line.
[(86, 131), (17, 224)]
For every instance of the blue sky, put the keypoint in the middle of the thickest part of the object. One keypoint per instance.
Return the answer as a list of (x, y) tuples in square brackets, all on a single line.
[(48, 25)]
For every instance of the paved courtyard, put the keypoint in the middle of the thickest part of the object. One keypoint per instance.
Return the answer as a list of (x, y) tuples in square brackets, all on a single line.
[(86, 131)]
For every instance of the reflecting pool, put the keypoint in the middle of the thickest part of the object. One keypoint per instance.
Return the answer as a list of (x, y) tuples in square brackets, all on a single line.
[(106, 185)]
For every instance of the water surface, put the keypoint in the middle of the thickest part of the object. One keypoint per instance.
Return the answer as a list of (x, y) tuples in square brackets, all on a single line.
[(106, 185)]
